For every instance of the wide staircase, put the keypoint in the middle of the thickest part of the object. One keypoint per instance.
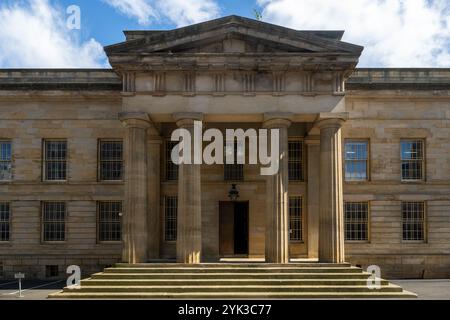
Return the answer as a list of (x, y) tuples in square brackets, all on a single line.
[(231, 280)]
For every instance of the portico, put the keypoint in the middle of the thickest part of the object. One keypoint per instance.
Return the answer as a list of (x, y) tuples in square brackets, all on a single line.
[(233, 73)]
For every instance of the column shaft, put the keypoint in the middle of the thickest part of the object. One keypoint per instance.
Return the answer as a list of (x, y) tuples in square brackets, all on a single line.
[(331, 228), (313, 163), (189, 224), (135, 213), (277, 215)]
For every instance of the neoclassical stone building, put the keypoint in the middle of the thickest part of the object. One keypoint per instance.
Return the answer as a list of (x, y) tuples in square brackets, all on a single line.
[(86, 176)]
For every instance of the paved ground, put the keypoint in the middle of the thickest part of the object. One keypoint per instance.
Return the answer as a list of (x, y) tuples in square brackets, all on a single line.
[(427, 289), (36, 290)]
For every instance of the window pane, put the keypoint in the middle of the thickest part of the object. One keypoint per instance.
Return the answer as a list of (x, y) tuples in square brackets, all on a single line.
[(235, 171), (55, 160), (110, 221), (111, 160), (5, 160), (4, 221), (295, 219), (53, 218), (170, 218), (356, 160), (413, 217), (412, 159), (171, 168), (356, 216), (295, 162)]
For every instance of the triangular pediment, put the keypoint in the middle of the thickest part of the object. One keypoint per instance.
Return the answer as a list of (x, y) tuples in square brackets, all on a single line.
[(233, 34)]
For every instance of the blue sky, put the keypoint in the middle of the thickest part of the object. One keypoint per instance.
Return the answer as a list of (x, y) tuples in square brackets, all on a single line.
[(395, 33)]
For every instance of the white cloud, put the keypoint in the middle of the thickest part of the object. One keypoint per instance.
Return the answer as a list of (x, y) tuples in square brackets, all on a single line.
[(178, 12), (34, 34), (395, 33), (139, 9)]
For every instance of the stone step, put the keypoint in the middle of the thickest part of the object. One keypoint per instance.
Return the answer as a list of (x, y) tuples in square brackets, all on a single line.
[(234, 295), (251, 265), (174, 269), (245, 288), (241, 282), (198, 275)]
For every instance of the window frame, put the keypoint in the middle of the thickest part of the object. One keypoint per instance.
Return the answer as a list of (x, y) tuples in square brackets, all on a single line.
[(425, 224), (10, 160), (166, 158), (165, 219), (302, 160), (302, 219), (44, 160), (99, 160), (368, 232), (423, 161), (42, 222), (234, 165), (9, 221), (368, 162), (120, 222)]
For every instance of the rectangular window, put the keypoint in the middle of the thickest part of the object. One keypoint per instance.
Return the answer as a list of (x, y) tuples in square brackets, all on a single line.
[(235, 171), (5, 161), (55, 160), (51, 271), (413, 221), (170, 218), (171, 168), (109, 221), (295, 162), (412, 157), (356, 160), (111, 160), (53, 221), (295, 219), (356, 219), (5, 221)]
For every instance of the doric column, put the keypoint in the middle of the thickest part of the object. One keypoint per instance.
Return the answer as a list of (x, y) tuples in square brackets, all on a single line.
[(277, 215), (189, 224), (331, 217), (135, 213), (154, 143), (313, 163)]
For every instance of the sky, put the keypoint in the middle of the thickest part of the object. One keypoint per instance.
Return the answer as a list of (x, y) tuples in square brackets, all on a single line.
[(72, 33)]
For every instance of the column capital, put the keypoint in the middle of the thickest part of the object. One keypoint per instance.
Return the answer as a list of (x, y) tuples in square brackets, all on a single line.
[(331, 120), (277, 120), (184, 119), (135, 119)]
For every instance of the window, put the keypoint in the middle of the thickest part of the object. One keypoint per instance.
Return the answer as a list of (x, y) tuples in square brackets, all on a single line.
[(412, 160), (53, 220), (356, 160), (51, 271), (295, 160), (235, 171), (5, 161), (109, 221), (5, 221), (111, 160), (171, 168), (170, 218), (356, 217), (55, 160), (295, 219), (413, 221)]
